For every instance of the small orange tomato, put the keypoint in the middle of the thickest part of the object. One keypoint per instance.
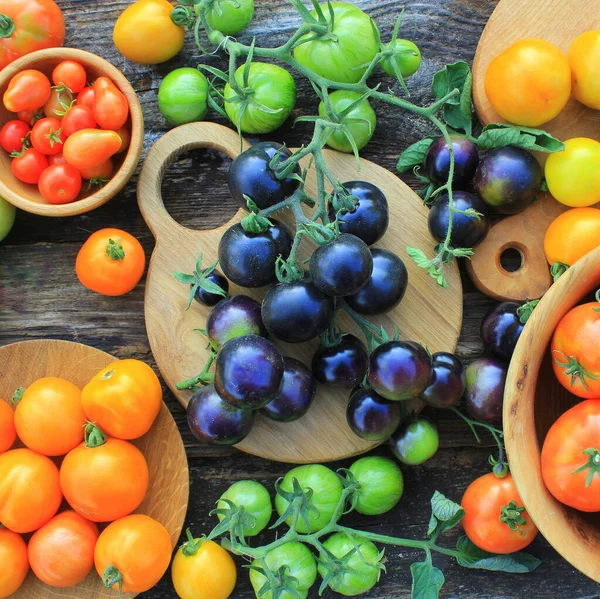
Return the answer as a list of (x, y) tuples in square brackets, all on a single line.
[(133, 553), (27, 90), (89, 148), (61, 553), (584, 57), (100, 173), (111, 108), (110, 262), (125, 135), (29, 490), (104, 478), (529, 83), (49, 418), (8, 433), (70, 74), (14, 564), (124, 399)]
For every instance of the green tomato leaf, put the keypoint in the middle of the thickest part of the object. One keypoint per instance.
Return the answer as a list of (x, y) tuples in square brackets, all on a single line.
[(210, 287), (498, 135), (419, 257), (427, 581), (473, 557), (413, 155), (451, 77), (445, 514)]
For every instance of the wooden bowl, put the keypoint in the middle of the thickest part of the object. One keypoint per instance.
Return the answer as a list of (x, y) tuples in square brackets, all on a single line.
[(27, 197), (533, 401), (168, 492)]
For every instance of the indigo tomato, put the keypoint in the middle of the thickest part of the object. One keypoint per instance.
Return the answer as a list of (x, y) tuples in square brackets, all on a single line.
[(501, 328), (436, 166), (343, 364), (233, 317), (448, 381), (371, 417), (484, 393)]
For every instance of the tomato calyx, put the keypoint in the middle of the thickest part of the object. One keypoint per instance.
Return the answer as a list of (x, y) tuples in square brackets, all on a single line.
[(525, 311), (54, 137), (299, 504), (511, 514), (278, 584), (114, 250), (93, 436), (199, 280), (98, 182), (111, 577), (64, 106), (17, 396), (234, 520), (7, 26), (558, 269), (574, 369), (592, 465), (192, 545)]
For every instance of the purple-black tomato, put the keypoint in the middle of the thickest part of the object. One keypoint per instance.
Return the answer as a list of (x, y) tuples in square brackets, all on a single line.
[(371, 417), (233, 317), (447, 383), (486, 379), (343, 364), (437, 161), (501, 328)]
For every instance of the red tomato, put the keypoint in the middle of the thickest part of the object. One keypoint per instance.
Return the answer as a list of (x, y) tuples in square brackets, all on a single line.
[(56, 159), (31, 117), (59, 102), (100, 174), (89, 148), (495, 519), (8, 433), (125, 134), (60, 184), (86, 97), (71, 74), (79, 117), (111, 108), (14, 563), (47, 136), (27, 90), (12, 136), (29, 166)]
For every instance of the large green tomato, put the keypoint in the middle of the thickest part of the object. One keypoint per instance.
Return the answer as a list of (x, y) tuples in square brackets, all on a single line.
[(408, 58), (381, 485), (270, 86), (7, 217), (344, 58), (256, 501), (229, 16), (362, 131), (183, 95)]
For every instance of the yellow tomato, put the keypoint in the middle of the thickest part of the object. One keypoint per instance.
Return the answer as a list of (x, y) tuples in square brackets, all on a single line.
[(529, 83), (584, 58), (573, 175), (145, 33)]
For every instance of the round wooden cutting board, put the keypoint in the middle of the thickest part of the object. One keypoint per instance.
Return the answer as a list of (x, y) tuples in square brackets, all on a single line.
[(23, 363), (428, 313)]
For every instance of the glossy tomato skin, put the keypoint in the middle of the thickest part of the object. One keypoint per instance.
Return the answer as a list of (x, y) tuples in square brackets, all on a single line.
[(61, 553), (408, 61), (8, 433), (248, 259), (572, 443), (183, 96), (231, 17), (584, 55), (399, 370), (111, 108), (138, 547), (415, 442), (370, 218), (233, 317), (372, 417), (436, 166), (255, 500), (14, 563), (60, 184), (60, 99), (30, 492), (212, 420), (27, 90), (343, 364), (47, 136), (483, 502), (467, 231), (248, 372), (251, 175), (346, 57), (89, 148), (71, 74), (576, 340), (77, 118), (12, 136), (501, 328), (86, 97), (100, 173), (448, 381), (298, 388), (342, 266), (508, 179), (296, 312), (385, 288), (381, 484), (484, 393), (29, 166)]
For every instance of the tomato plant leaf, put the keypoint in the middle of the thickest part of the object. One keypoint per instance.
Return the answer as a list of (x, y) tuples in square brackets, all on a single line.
[(427, 581), (451, 77), (473, 557), (498, 135), (414, 155), (445, 514)]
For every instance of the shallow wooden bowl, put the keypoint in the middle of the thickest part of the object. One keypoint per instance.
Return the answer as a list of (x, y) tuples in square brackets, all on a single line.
[(168, 492), (27, 197), (533, 401)]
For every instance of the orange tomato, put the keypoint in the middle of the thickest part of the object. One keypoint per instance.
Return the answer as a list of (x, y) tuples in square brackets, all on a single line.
[(110, 262), (27, 90), (8, 433), (58, 103), (61, 553), (49, 418), (133, 553), (100, 173), (29, 490), (89, 148), (124, 399), (111, 108), (125, 134), (584, 58), (104, 478), (71, 74), (529, 83), (14, 564)]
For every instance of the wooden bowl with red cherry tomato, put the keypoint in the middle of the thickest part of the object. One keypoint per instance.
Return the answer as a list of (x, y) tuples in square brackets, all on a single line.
[(552, 415), (87, 143)]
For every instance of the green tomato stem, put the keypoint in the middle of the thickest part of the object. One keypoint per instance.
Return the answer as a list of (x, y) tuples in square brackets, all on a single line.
[(7, 26)]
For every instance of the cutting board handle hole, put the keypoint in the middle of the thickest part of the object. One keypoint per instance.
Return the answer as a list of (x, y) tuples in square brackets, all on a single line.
[(512, 259)]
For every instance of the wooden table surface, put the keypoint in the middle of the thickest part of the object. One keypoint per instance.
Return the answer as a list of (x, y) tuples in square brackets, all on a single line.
[(40, 297)]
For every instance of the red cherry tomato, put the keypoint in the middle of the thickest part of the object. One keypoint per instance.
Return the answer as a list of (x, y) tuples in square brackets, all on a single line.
[(86, 97), (29, 166), (60, 184), (27, 90), (31, 117), (111, 108), (48, 137), (79, 117), (12, 136), (56, 159), (71, 74), (99, 174)]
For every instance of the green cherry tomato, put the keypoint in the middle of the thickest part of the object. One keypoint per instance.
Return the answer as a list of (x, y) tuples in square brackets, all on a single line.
[(183, 95), (327, 490), (342, 55), (272, 96), (415, 442), (362, 568), (7, 217), (301, 565), (229, 16), (381, 485), (407, 56), (361, 131), (256, 501)]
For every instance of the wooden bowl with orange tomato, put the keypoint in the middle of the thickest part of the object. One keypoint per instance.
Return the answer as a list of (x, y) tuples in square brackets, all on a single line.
[(27, 196)]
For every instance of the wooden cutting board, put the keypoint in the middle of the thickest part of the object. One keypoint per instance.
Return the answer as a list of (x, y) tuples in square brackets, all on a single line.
[(428, 313), (23, 363), (559, 22)]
